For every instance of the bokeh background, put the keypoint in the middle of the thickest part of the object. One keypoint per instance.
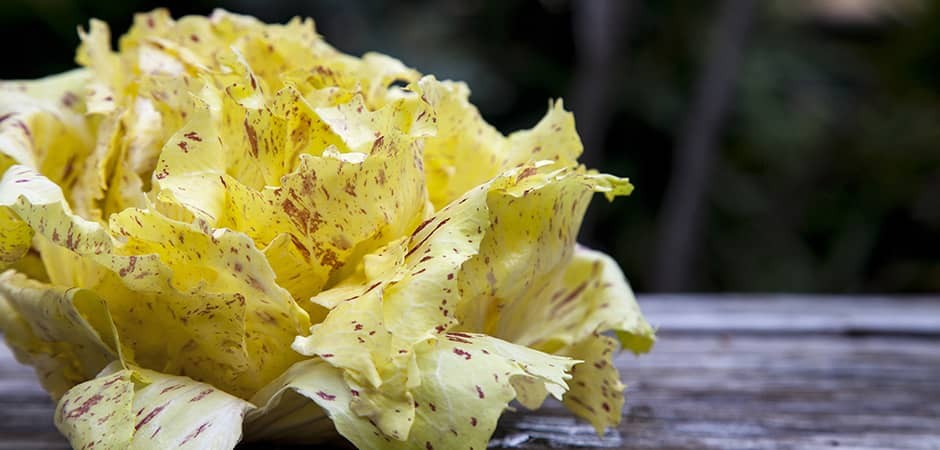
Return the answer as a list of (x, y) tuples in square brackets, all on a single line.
[(789, 145)]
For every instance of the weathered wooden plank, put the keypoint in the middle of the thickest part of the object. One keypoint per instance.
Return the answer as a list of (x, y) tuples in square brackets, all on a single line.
[(788, 313), (50, 440), (820, 374), (763, 391)]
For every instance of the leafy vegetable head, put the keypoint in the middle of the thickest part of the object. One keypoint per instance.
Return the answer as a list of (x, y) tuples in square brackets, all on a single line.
[(225, 221)]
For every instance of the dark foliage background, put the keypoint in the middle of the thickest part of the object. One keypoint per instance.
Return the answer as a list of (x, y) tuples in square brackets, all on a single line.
[(819, 142)]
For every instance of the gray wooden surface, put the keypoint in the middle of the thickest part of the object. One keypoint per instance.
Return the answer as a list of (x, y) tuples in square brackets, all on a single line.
[(737, 372)]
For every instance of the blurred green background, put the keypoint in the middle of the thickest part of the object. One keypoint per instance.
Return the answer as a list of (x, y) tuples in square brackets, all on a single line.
[(788, 146)]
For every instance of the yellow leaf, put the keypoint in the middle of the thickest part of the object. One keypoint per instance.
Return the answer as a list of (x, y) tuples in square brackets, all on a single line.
[(212, 287), (466, 151), (66, 334), (595, 393), (145, 409), (590, 295), (465, 382)]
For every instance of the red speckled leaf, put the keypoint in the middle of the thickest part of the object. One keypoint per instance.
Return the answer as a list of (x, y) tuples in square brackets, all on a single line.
[(461, 385), (67, 335), (143, 409)]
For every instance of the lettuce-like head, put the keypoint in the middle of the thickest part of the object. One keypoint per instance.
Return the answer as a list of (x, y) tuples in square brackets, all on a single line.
[(225, 225)]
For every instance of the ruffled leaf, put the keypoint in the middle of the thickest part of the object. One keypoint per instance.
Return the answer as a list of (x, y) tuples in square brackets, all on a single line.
[(466, 151), (144, 409), (67, 335), (535, 216), (42, 126), (330, 209), (590, 296), (596, 393), (463, 382), (213, 288)]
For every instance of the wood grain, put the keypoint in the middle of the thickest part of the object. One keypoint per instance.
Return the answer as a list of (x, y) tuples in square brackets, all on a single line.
[(754, 372), (779, 314)]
